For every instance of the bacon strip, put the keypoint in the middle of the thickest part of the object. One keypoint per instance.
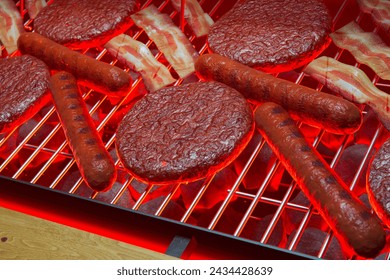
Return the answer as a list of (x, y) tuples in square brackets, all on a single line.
[(34, 7), (352, 83), (169, 39), (367, 48), (379, 10), (11, 25), (197, 19), (137, 56)]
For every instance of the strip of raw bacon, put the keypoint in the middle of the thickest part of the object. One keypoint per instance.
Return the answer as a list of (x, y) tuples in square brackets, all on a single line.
[(137, 56), (352, 83), (169, 39), (197, 19), (11, 25), (379, 10), (34, 7), (367, 48)]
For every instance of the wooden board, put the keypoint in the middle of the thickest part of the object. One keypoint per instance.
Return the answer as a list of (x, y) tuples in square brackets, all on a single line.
[(24, 237)]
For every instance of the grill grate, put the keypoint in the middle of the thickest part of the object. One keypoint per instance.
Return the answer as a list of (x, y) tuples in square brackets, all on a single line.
[(252, 198)]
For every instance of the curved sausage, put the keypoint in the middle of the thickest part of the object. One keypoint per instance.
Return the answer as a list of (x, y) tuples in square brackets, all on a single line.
[(96, 74), (350, 220), (92, 158), (320, 109)]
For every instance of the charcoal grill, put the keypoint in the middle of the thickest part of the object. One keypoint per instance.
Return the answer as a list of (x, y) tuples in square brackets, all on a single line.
[(250, 210)]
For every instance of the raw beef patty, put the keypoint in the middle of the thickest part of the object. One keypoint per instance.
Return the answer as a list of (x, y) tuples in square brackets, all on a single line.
[(80, 24), (378, 187), (24, 82), (183, 133), (273, 36)]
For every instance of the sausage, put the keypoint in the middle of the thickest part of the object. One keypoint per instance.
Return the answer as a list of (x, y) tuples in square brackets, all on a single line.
[(353, 224), (92, 158), (320, 109), (101, 76)]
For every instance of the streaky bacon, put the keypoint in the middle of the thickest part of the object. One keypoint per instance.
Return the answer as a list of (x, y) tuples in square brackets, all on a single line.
[(169, 39), (197, 19), (11, 25), (34, 7), (379, 10), (352, 83), (367, 48), (137, 56)]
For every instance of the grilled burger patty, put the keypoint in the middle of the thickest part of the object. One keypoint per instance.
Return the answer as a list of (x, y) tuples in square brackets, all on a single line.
[(273, 36), (183, 133), (378, 187), (24, 82), (85, 23)]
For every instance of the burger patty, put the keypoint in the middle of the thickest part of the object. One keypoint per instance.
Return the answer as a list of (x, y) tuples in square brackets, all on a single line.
[(85, 23), (378, 187), (24, 82), (183, 133), (273, 36)]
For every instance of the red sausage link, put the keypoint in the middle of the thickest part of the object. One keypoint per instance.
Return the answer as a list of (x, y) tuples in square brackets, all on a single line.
[(351, 222), (92, 158), (320, 109), (99, 75)]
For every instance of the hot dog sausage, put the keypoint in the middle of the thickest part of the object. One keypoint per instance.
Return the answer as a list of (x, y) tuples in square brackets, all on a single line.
[(318, 108), (99, 75), (93, 160), (346, 216)]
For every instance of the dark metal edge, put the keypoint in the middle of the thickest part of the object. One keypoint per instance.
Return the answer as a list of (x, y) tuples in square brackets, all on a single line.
[(211, 244)]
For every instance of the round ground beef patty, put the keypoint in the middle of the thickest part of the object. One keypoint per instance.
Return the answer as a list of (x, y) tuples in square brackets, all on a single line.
[(183, 133), (24, 82), (81, 24), (272, 36), (378, 187)]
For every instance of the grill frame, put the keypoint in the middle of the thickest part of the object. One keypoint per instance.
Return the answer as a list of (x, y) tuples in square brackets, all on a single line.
[(54, 205), (17, 189)]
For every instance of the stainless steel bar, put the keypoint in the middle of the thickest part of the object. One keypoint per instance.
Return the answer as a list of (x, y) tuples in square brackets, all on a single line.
[(196, 199), (168, 197), (231, 193), (259, 193)]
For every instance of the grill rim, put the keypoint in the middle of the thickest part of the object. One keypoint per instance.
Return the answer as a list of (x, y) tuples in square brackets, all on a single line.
[(14, 193)]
